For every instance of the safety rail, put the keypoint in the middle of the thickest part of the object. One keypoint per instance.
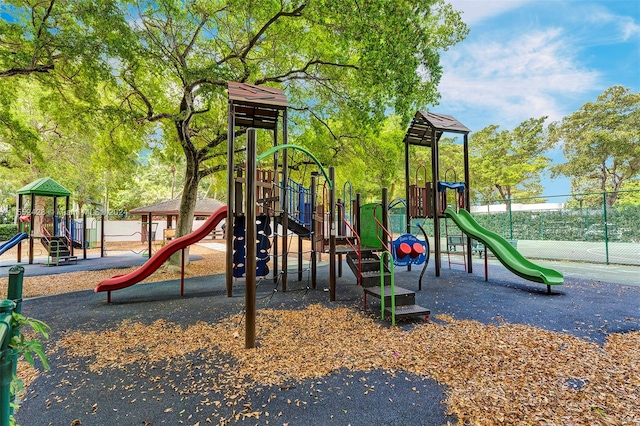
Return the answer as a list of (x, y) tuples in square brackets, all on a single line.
[(348, 203), (65, 233), (391, 286), (9, 355), (385, 245), (300, 207), (357, 250)]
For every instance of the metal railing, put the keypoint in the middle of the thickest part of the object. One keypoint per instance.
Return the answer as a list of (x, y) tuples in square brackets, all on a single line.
[(8, 355)]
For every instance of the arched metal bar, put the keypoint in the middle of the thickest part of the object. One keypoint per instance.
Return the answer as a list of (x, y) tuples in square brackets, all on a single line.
[(299, 148)]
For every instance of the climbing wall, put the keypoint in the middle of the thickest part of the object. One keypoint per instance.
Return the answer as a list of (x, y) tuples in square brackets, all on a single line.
[(263, 246)]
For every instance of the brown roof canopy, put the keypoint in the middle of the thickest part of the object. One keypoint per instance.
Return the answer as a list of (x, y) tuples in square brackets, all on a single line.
[(204, 207), (256, 106), (424, 123)]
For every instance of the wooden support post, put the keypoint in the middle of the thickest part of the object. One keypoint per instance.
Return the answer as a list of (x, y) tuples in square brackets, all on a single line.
[(332, 236), (313, 234), (250, 241), (229, 225)]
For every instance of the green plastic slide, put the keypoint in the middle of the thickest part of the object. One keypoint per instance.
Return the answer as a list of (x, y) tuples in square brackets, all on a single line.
[(505, 252)]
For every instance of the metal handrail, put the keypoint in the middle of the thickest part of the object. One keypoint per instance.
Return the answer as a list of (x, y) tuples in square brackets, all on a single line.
[(357, 250), (392, 287), (386, 245)]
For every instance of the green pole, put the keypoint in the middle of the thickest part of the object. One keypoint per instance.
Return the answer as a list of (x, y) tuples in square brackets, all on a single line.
[(14, 291), (510, 219), (606, 235), (7, 361), (14, 294)]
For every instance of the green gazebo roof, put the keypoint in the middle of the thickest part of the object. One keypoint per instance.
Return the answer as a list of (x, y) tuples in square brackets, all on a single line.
[(45, 186)]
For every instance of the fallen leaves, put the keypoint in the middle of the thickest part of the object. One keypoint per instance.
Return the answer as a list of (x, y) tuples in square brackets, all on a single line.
[(495, 374)]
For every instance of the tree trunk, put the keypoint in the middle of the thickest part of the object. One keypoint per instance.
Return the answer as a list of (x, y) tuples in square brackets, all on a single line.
[(187, 207)]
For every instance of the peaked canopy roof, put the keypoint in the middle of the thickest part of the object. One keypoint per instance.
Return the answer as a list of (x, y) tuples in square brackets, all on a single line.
[(204, 207), (256, 106), (45, 187), (423, 124)]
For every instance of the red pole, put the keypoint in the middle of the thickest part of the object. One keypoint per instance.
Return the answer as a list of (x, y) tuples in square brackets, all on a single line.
[(182, 276)]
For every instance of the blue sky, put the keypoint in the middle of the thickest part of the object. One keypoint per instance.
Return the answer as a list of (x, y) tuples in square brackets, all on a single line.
[(525, 59)]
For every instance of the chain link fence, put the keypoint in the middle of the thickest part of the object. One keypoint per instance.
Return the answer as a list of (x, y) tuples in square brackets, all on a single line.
[(579, 228)]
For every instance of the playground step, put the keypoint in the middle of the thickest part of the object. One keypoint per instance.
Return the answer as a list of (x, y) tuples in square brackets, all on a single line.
[(56, 246), (55, 261), (372, 279), (369, 262), (403, 296), (409, 311), (342, 244)]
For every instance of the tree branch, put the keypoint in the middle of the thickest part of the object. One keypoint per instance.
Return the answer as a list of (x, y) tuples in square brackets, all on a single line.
[(325, 124), (243, 54), (26, 71), (150, 115), (204, 152), (288, 76)]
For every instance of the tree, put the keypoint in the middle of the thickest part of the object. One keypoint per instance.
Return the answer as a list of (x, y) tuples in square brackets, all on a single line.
[(601, 143), (57, 114), (356, 60), (509, 163)]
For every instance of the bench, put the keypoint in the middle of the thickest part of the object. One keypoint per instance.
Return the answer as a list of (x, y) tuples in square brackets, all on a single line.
[(458, 240), (453, 241)]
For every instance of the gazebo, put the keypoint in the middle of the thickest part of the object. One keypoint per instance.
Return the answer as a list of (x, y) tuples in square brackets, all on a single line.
[(43, 187), (171, 209)]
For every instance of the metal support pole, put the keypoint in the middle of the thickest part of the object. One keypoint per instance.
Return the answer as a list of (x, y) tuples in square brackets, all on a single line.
[(299, 258), (101, 235), (229, 225), (276, 194), (8, 360), (467, 198), (250, 241), (31, 231), (407, 193), (332, 236), (385, 215), (285, 201), (67, 223), (313, 232), (285, 217), (14, 290), (341, 215), (85, 241), (435, 176), (20, 213), (55, 216), (149, 231), (69, 230), (606, 226)]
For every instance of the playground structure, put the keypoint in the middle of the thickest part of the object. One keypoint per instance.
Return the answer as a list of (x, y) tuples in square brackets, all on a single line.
[(59, 234), (266, 208)]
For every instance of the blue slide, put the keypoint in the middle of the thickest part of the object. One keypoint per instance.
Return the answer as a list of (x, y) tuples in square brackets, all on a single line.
[(13, 241)]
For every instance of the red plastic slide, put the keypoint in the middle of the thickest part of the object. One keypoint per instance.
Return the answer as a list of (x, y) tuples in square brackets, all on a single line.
[(121, 281)]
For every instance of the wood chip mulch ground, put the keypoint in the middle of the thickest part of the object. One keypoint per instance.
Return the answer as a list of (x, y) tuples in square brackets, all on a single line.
[(495, 374)]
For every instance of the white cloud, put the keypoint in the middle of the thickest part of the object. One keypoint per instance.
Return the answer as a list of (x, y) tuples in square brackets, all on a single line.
[(478, 10), (620, 28), (514, 79)]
